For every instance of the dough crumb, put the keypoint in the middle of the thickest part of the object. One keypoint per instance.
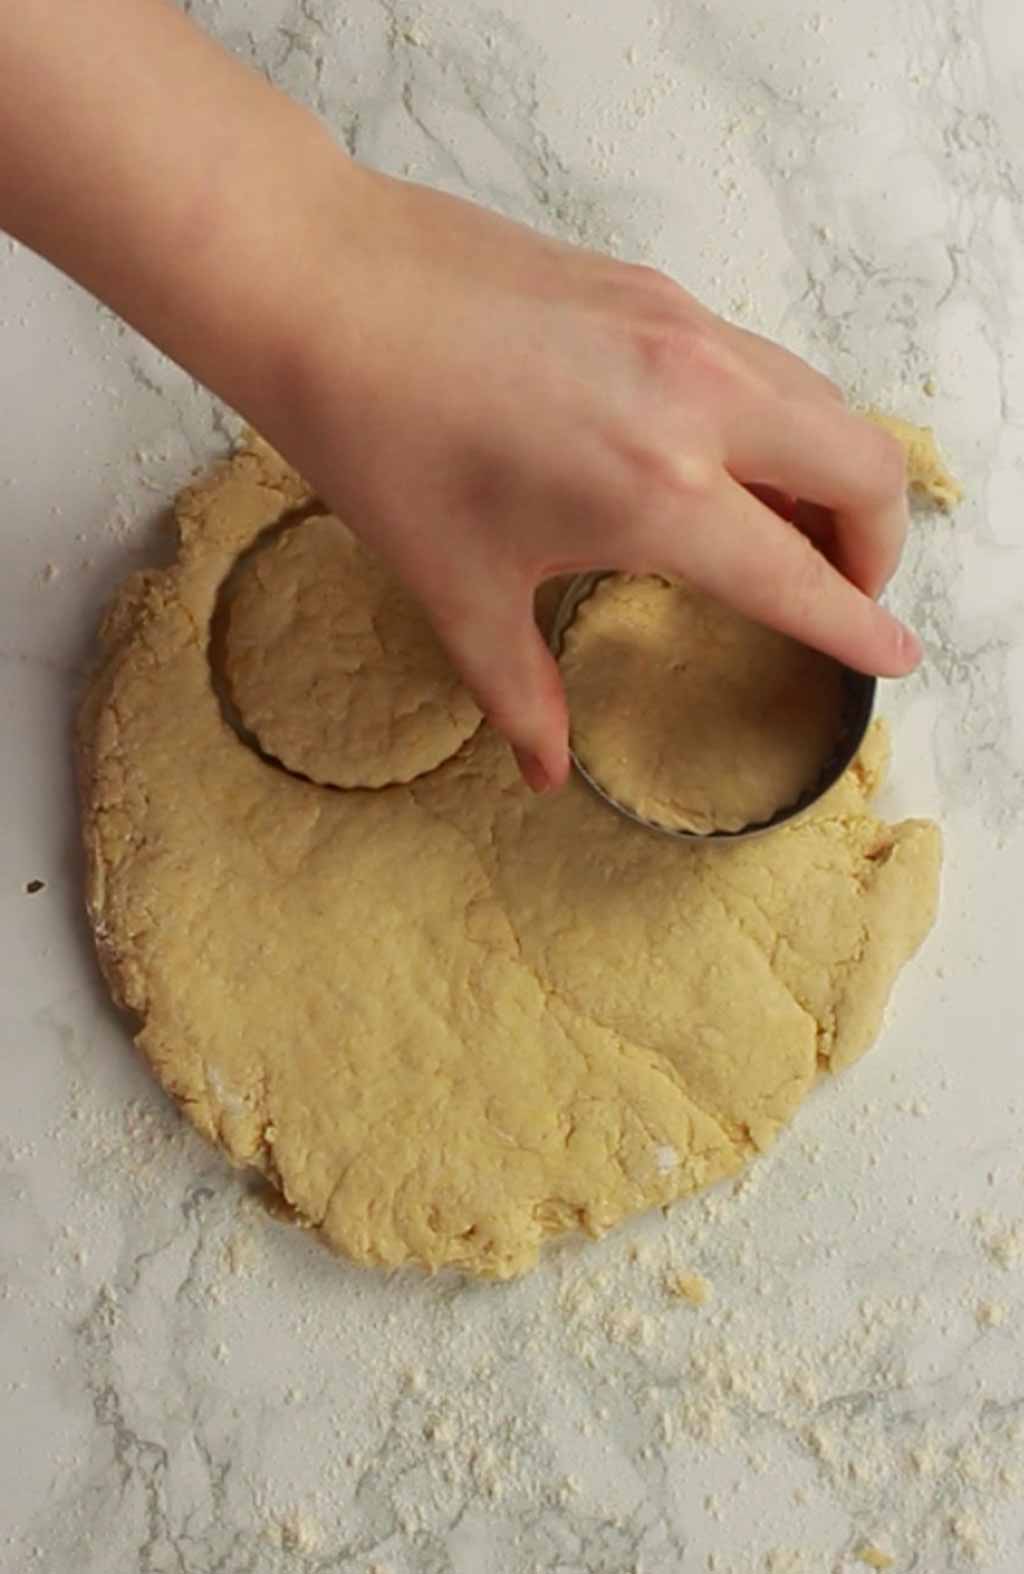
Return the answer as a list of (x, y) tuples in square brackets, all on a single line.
[(990, 1314), (690, 1287), (927, 472), (874, 1557)]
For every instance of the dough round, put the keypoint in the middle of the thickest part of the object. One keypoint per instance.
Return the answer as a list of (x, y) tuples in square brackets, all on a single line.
[(334, 668), (452, 1019), (691, 715)]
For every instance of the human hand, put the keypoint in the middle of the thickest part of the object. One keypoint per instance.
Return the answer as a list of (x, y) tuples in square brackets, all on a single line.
[(486, 407), (489, 408)]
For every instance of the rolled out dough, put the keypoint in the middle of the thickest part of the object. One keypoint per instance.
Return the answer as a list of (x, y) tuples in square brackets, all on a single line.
[(448, 1019), (688, 713)]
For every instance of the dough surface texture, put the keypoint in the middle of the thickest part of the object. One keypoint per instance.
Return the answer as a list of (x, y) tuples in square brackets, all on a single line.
[(334, 668), (448, 1019), (688, 713)]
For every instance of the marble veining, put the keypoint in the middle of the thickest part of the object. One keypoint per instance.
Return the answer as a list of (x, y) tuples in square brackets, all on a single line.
[(191, 1386)]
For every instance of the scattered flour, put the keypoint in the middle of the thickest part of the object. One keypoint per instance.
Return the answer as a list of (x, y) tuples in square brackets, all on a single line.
[(297, 1531), (1002, 1241)]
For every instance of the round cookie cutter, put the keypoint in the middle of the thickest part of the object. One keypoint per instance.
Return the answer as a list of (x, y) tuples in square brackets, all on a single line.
[(859, 693)]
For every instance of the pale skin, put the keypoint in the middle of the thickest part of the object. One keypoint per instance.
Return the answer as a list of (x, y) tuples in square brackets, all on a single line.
[(484, 406)]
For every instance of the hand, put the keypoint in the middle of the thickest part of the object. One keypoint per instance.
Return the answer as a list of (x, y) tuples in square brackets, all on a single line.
[(488, 408), (485, 407)]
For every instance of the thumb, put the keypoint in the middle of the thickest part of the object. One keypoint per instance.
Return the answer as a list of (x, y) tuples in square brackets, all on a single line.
[(515, 680)]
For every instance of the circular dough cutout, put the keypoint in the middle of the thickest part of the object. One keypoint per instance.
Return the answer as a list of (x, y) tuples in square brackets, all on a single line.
[(689, 714), (334, 668)]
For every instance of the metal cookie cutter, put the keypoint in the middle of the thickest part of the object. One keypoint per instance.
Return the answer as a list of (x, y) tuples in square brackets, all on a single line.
[(858, 706)]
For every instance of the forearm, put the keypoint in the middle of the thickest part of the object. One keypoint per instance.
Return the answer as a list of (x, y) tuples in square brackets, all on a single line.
[(165, 177)]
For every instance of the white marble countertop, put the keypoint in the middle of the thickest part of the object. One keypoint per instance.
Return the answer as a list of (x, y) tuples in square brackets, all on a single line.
[(186, 1385)]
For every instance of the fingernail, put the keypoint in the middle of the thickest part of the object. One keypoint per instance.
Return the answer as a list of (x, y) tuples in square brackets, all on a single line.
[(533, 772)]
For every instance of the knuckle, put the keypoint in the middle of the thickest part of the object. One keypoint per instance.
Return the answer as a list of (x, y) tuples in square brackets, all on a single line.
[(692, 476), (683, 354), (651, 283), (664, 481)]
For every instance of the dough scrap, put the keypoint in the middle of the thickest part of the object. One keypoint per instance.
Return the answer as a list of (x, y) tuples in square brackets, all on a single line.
[(334, 667), (691, 715), (448, 1019), (927, 471)]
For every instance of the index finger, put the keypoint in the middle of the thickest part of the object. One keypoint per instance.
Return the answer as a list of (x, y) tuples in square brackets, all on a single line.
[(823, 453), (740, 552)]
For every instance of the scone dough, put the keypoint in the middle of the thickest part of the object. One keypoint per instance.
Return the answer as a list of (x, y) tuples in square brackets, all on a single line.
[(334, 667), (449, 1019), (691, 715), (927, 472)]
